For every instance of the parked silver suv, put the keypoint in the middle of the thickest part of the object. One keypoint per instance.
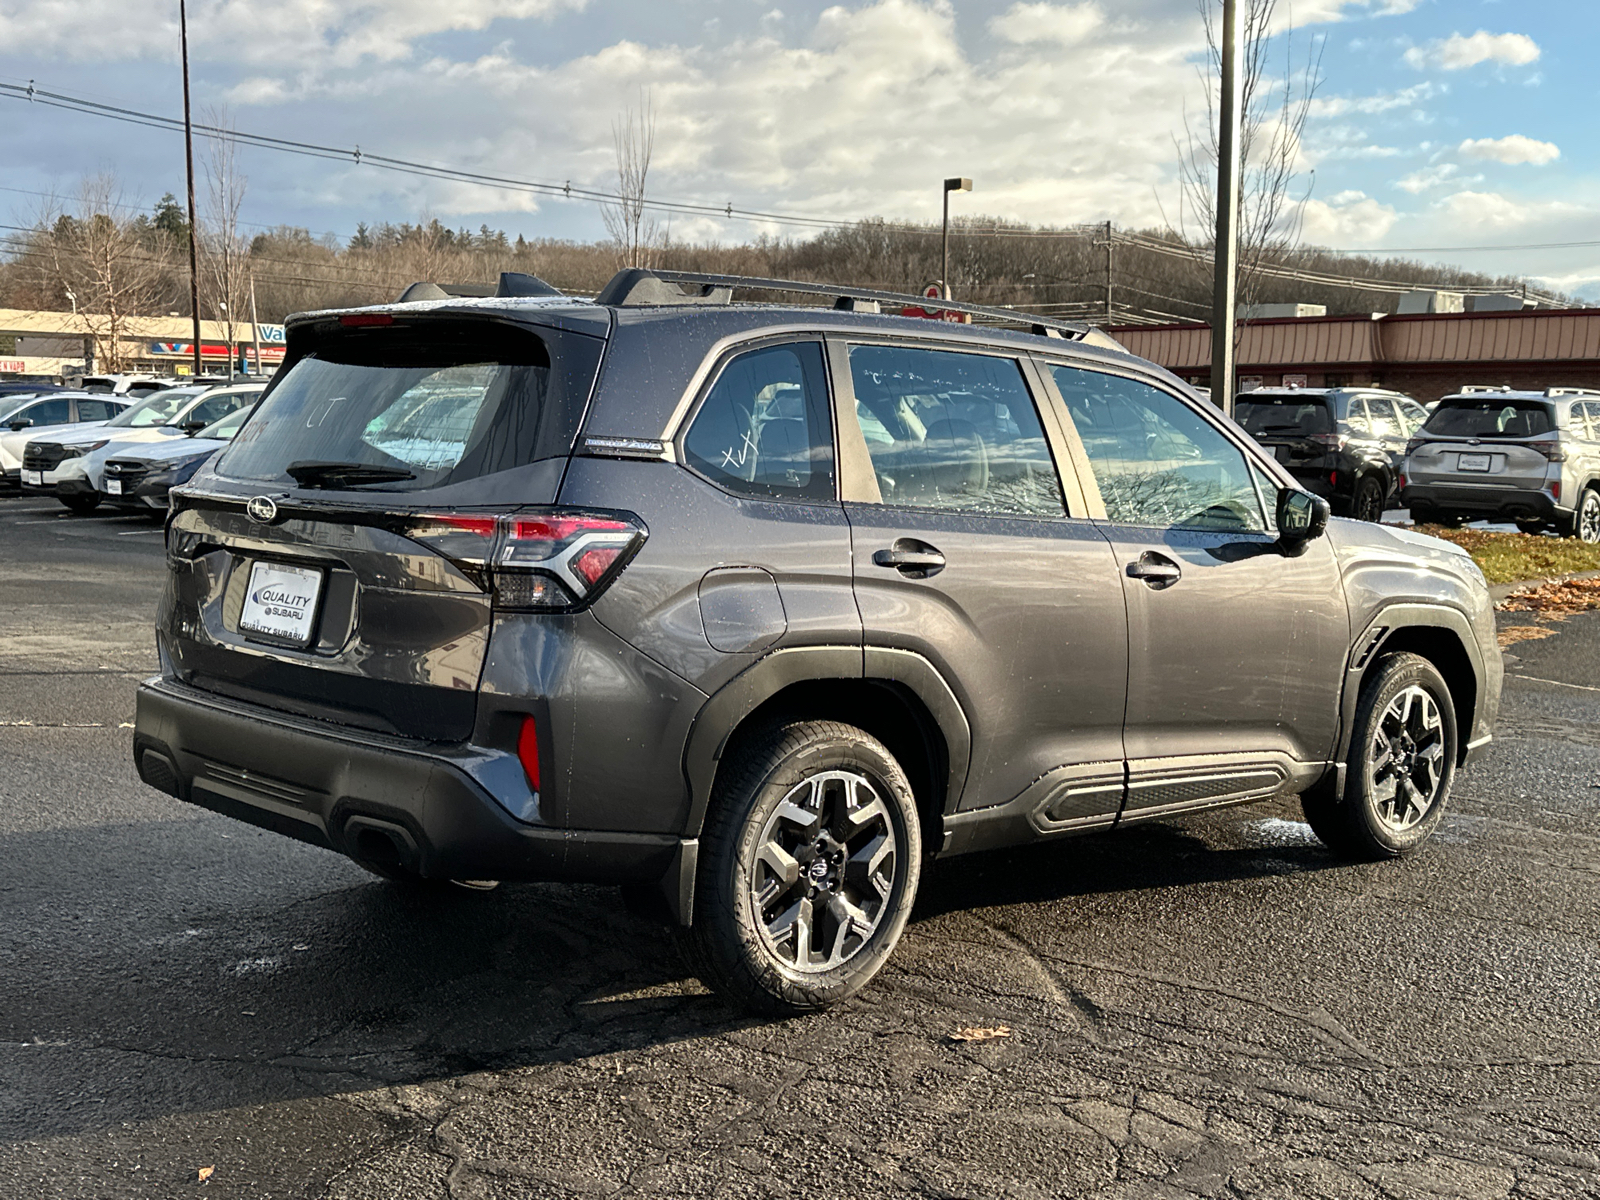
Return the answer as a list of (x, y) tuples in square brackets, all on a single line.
[(1530, 457)]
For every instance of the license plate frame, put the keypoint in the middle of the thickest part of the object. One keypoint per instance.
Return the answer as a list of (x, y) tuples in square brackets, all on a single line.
[(113, 487), (288, 614), (36, 478), (1479, 463)]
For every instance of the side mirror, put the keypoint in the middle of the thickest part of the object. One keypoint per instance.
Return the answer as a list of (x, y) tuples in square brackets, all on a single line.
[(1301, 516), (20, 424), (190, 428)]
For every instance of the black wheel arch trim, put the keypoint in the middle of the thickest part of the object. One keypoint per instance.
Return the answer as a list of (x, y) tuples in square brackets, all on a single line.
[(727, 708), (1390, 624)]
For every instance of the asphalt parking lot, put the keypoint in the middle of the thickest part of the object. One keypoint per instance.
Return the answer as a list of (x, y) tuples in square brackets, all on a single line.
[(1207, 1007)]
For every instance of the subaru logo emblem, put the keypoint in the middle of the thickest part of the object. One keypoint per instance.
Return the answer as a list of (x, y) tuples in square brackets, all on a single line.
[(262, 509)]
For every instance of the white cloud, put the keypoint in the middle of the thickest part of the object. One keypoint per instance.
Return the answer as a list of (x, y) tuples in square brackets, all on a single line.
[(1484, 214), (1348, 218), (861, 114), (1511, 150), (1063, 24), (1456, 53), (304, 32), (1338, 106)]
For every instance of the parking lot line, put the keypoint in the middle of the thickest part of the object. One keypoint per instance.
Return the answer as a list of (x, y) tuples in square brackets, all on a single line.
[(137, 532)]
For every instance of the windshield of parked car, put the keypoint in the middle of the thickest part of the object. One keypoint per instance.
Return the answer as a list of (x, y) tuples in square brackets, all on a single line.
[(154, 410), (10, 404), (1489, 417), (1283, 416), (224, 429)]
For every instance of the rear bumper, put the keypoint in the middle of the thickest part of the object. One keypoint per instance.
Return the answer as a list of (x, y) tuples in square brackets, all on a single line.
[(342, 790), (1488, 501)]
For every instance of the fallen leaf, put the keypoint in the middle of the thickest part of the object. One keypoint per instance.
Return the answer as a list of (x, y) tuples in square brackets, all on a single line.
[(1556, 598), (205, 1173), (980, 1033), (1512, 634)]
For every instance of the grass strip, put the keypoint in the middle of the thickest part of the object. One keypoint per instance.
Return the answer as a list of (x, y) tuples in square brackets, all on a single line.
[(1508, 557)]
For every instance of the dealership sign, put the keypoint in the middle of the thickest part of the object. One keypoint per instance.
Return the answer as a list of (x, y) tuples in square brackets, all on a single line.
[(219, 350)]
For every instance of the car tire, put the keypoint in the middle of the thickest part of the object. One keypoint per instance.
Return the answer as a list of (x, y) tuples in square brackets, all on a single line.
[(1402, 761), (1422, 514), (1528, 526), (1367, 502), (410, 882), (82, 506), (1585, 522), (808, 866)]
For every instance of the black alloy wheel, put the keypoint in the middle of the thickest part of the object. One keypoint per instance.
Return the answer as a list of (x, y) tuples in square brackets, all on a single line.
[(1367, 503), (1400, 766), (808, 867)]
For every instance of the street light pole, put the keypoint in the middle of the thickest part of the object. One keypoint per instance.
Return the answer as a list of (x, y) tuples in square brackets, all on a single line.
[(950, 185), (1227, 242), (188, 154)]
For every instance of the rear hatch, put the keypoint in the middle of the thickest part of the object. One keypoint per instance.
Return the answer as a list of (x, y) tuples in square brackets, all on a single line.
[(1299, 430), (332, 561), (1490, 441)]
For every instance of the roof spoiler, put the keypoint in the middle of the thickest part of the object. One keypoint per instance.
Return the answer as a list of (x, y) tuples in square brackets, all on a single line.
[(640, 287), (512, 283)]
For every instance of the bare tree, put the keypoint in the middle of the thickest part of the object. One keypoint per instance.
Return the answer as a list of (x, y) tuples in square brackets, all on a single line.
[(1273, 107), (627, 221), (224, 250), (107, 266)]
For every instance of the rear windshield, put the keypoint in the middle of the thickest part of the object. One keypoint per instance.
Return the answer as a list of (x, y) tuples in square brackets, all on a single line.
[(1283, 416), (441, 403), (1490, 417)]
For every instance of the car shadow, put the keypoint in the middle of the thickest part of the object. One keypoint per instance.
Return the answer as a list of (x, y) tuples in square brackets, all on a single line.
[(135, 984)]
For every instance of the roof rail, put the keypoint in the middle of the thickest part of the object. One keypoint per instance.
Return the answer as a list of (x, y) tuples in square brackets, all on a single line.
[(1469, 389), (1572, 391), (512, 283), (638, 286)]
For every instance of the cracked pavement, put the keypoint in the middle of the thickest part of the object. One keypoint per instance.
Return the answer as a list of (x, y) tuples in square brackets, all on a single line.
[(1205, 1007)]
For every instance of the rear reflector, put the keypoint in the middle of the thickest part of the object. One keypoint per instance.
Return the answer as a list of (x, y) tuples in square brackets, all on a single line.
[(366, 319), (528, 751)]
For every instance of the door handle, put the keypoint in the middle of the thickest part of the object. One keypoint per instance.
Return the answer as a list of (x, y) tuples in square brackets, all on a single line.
[(910, 557), (1157, 570)]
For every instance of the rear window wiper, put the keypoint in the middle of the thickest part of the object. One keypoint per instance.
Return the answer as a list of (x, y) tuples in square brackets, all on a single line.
[(343, 474)]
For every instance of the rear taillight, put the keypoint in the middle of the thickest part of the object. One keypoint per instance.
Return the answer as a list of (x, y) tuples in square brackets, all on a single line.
[(1415, 444), (1554, 451), (546, 560), (1333, 441)]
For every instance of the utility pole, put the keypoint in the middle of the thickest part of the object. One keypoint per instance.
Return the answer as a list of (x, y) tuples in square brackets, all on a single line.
[(188, 154), (255, 326), (950, 185), (1110, 263), (1223, 367)]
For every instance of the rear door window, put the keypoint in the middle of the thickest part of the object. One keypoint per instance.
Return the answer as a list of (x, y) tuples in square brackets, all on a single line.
[(763, 428), (1283, 416), (954, 431), (427, 404), (1489, 417), (97, 410), (1592, 408)]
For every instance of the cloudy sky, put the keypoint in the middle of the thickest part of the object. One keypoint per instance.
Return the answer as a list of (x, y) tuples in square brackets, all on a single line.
[(1443, 126)]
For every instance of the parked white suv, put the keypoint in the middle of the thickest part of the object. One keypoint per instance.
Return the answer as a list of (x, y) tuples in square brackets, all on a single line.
[(1529, 457)]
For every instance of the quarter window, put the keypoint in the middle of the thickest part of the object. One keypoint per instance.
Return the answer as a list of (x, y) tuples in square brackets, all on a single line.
[(953, 431), (763, 429), (1156, 461)]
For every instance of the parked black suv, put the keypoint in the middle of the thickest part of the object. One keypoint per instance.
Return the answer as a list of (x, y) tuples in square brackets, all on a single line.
[(1347, 444), (760, 608)]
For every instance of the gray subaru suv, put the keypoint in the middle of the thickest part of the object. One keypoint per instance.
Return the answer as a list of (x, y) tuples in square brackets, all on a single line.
[(759, 609), (1490, 452)]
